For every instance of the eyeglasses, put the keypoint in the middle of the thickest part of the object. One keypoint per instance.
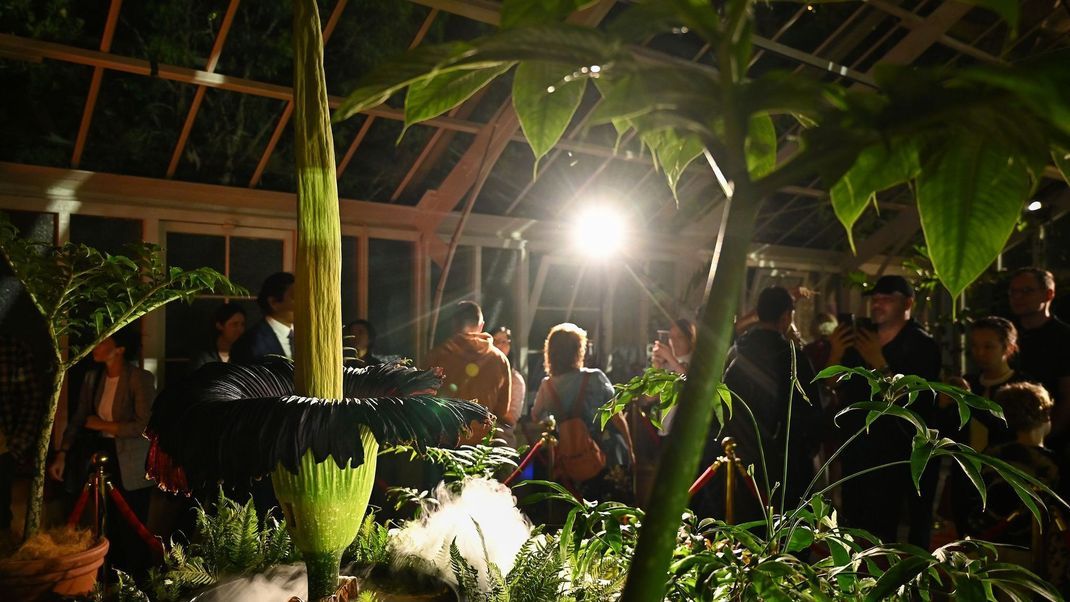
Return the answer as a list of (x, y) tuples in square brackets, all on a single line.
[(1028, 290)]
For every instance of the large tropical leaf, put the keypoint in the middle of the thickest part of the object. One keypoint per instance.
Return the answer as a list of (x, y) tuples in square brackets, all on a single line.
[(970, 195), (760, 146), (545, 97), (393, 76), (431, 97), (235, 422), (877, 168), (646, 19), (673, 152), (1042, 84), (523, 13)]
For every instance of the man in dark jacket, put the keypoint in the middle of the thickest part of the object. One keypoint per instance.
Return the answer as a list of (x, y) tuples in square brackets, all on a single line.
[(762, 370), (890, 343), (274, 334)]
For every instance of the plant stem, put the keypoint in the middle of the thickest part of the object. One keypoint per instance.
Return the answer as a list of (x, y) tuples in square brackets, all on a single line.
[(37, 485), (322, 573), (679, 464)]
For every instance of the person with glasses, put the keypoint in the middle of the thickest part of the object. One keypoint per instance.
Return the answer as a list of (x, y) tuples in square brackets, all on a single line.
[(1043, 340)]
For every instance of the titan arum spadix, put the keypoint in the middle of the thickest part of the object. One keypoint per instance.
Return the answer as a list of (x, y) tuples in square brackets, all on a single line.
[(314, 426)]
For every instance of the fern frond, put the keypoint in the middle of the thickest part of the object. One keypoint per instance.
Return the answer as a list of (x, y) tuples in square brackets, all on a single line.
[(466, 575)]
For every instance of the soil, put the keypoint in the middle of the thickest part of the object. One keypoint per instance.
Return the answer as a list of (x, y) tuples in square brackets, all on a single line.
[(52, 543)]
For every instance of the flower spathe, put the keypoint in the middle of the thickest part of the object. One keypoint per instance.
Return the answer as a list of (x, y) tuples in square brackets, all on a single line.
[(234, 423)]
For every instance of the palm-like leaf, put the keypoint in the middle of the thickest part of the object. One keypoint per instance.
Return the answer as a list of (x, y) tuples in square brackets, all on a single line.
[(247, 421)]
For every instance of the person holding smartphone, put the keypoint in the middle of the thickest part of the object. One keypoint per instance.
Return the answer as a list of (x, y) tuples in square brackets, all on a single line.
[(890, 342), (672, 351)]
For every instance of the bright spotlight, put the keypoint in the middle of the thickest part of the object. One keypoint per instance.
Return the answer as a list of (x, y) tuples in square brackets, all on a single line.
[(1034, 206), (598, 232)]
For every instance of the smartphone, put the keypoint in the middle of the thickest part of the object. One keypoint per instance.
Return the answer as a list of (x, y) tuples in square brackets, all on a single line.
[(846, 318), (663, 337), (866, 324)]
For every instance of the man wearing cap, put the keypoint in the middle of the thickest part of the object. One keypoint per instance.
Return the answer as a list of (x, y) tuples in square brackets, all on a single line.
[(891, 342)]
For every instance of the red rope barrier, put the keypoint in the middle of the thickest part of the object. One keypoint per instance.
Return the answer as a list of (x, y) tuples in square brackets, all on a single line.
[(524, 463), (79, 507), (131, 519), (704, 478)]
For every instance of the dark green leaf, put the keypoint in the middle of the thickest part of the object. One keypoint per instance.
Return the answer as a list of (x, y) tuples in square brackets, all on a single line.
[(381, 84), (877, 168), (673, 152), (431, 97), (919, 458), (525, 13), (760, 146)]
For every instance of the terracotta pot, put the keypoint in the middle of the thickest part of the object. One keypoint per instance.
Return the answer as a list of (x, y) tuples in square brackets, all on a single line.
[(73, 575)]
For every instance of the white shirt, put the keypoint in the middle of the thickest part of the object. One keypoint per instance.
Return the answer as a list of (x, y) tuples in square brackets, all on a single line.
[(282, 333), (107, 401)]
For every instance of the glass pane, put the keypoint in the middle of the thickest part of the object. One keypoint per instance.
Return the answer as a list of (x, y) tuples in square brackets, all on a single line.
[(35, 226), (190, 330), (254, 259), (390, 291), (189, 251), (18, 317), (350, 310), (106, 234), (499, 287), (460, 285)]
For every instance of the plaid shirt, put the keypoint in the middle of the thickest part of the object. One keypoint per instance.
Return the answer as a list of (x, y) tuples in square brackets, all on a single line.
[(21, 399)]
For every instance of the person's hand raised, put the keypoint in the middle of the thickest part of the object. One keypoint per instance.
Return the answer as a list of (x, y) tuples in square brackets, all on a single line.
[(869, 346)]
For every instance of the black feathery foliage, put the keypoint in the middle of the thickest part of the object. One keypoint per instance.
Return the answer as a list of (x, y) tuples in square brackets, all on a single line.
[(231, 422)]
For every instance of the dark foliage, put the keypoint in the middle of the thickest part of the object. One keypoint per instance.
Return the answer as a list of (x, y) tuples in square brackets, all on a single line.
[(247, 420)]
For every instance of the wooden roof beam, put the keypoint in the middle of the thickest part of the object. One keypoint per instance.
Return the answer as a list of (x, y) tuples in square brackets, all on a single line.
[(94, 84), (487, 147), (34, 50), (198, 96), (370, 120)]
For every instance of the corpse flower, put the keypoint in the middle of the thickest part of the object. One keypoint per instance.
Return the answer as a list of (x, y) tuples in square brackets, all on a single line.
[(236, 422)]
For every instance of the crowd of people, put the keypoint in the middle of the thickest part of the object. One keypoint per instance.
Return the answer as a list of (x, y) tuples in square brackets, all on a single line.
[(1017, 363)]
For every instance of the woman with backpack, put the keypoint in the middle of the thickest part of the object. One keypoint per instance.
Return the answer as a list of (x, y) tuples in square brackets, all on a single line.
[(595, 463)]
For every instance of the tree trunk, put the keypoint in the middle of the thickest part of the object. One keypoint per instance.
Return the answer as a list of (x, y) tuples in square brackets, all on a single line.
[(691, 427), (40, 462)]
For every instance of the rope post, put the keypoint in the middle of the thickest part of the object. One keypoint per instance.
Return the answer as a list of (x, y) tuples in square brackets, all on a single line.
[(729, 446), (547, 439), (100, 494)]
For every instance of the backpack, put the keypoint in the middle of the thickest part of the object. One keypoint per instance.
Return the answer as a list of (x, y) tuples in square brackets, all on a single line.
[(579, 458)]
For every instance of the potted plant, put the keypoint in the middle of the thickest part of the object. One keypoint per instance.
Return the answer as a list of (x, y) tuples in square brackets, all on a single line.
[(84, 296), (972, 143)]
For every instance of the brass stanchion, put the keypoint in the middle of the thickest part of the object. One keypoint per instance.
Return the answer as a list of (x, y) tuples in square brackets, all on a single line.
[(734, 465)]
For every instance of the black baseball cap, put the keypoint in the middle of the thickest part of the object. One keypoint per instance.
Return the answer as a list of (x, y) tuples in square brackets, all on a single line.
[(888, 285)]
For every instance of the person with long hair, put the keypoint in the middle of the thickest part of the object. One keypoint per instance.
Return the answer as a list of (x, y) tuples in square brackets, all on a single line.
[(568, 383), (229, 325), (674, 355)]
